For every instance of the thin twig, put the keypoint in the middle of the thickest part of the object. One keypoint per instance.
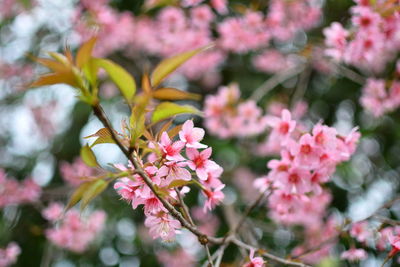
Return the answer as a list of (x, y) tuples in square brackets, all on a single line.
[(185, 209), (248, 211), (315, 248), (274, 81), (210, 262), (301, 85), (268, 255), (350, 74), (220, 254)]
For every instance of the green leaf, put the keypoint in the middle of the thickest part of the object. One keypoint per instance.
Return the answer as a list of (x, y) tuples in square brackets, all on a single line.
[(167, 66), (174, 94), (85, 52), (124, 81), (77, 195), (95, 189), (178, 183), (168, 109), (103, 137), (90, 69), (88, 156), (137, 123)]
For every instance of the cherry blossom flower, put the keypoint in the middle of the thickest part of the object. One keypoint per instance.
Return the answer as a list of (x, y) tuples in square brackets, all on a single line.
[(53, 212), (199, 162), (354, 254), (13, 192), (76, 172), (254, 261), (213, 197), (191, 135), (162, 225), (171, 149), (172, 171), (8, 256), (360, 231), (395, 243), (74, 233)]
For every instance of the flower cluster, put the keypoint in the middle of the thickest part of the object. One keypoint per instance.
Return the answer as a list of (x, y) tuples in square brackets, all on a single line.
[(226, 117), (286, 18), (370, 235), (354, 254), (273, 61), (76, 172), (308, 159), (243, 34), (379, 97), (373, 38), (176, 29), (13, 192), (8, 256), (73, 233), (169, 169)]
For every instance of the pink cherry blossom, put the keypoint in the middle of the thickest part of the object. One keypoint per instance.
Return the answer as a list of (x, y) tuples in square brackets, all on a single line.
[(273, 61), (220, 5), (360, 231), (254, 261), (306, 152), (8, 255), (213, 197), (354, 254), (13, 192), (191, 135), (199, 162), (395, 243), (171, 149), (76, 172), (162, 225), (74, 232), (336, 40), (53, 212), (172, 171), (282, 126)]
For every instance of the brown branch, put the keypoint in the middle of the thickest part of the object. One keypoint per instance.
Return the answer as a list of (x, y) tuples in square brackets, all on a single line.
[(185, 209)]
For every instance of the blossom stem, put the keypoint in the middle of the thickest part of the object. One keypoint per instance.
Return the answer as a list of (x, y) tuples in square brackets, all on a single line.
[(185, 209), (210, 262)]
